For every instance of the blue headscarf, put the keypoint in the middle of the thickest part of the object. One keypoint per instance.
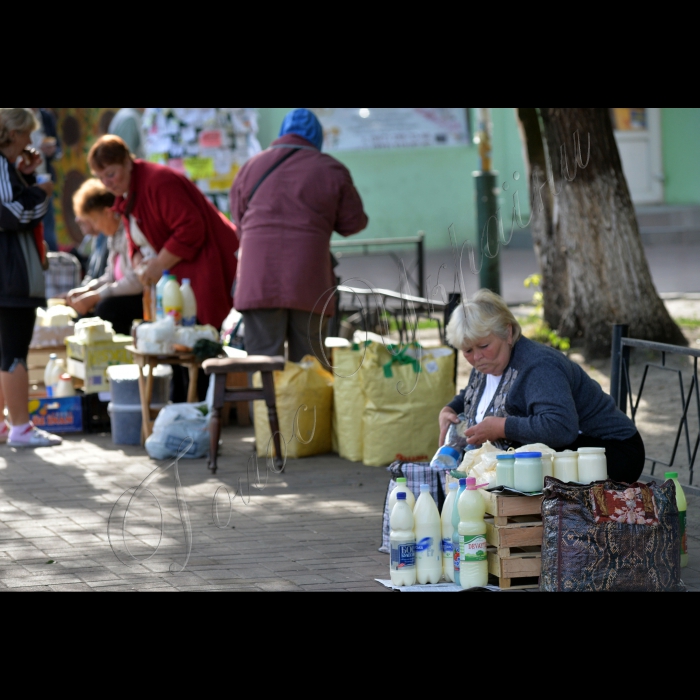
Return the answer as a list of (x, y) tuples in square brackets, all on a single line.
[(303, 123)]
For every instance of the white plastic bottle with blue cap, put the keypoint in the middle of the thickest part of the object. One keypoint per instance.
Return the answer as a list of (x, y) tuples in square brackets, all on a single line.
[(403, 543), (428, 538), (455, 530), (446, 458), (448, 564)]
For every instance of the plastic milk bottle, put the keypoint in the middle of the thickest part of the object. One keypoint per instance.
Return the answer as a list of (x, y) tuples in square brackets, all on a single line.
[(403, 543), (160, 288), (428, 538), (189, 304), (448, 564), (474, 568), (401, 487), (50, 376), (682, 504), (455, 530), (172, 300)]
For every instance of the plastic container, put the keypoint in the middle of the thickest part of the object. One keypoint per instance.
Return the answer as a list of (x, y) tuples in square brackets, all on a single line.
[(592, 465), (455, 530), (401, 487), (189, 304), (49, 379), (428, 531), (682, 504), (448, 564), (64, 388), (528, 472), (565, 466), (160, 288), (473, 565), (126, 424), (446, 458), (403, 543), (124, 384), (172, 300), (455, 436), (505, 470)]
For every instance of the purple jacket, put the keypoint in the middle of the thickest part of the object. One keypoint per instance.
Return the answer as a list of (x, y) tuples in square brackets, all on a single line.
[(284, 259)]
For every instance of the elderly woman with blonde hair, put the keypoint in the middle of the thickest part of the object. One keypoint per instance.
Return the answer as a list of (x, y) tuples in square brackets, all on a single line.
[(522, 392)]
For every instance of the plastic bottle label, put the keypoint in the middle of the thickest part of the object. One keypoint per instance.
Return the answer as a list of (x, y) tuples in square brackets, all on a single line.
[(189, 322), (682, 533), (472, 548), (403, 556), (455, 559), (447, 548), (424, 546), (175, 313)]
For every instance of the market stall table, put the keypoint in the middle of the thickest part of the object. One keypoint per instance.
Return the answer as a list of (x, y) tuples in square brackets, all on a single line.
[(142, 359)]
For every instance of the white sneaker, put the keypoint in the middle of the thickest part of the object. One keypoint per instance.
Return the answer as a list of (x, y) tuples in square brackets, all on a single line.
[(33, 437), (4, 432)]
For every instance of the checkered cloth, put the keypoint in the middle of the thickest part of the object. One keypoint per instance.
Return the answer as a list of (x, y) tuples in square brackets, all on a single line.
[(64, 274), (416, 473)]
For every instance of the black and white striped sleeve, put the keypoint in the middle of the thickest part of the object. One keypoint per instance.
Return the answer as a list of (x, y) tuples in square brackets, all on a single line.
[(19, 211)]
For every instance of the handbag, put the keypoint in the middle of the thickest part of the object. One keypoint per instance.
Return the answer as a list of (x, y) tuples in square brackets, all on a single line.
[(610, 536)]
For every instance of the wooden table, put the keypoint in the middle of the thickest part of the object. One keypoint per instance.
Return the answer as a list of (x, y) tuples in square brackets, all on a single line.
[(143, 360)]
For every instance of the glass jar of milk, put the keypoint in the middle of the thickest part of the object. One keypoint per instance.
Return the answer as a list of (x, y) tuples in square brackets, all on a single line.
[(592, 464)]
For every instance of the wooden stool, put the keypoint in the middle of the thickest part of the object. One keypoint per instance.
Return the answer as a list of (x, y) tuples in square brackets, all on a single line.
[(223, 394)]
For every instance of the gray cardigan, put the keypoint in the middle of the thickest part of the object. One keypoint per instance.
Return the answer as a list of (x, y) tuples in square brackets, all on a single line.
[(549, 399)]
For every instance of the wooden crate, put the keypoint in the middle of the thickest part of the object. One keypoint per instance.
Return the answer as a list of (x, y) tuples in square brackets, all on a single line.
[(514, 533)]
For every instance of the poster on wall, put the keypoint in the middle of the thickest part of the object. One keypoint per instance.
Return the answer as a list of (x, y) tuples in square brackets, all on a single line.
[(364, 128), (207, 144)]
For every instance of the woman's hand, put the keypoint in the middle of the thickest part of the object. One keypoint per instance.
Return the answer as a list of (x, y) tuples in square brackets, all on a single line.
[(447, 418), (490, 429), (86, 303), (151, 272), (75, 294), (31, 158)]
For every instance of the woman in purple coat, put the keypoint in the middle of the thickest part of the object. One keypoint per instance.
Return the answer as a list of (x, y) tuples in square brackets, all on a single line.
[(287, 201)]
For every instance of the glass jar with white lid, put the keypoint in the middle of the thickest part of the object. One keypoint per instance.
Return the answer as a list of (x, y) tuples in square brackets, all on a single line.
[(592, 464), (565, 466)]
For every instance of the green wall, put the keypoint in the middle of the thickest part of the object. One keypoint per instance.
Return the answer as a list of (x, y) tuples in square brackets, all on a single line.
[(680, 129), (425, 189)]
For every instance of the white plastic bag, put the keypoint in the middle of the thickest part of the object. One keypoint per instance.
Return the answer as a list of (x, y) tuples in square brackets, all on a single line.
[(175, 426)]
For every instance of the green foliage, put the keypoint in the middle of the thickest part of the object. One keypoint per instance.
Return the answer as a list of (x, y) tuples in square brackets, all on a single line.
[(690, 323), (538, 329)]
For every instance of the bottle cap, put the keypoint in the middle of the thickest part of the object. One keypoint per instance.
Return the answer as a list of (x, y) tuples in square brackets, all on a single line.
[(471, 484), (185, 281), (53, 356), (528, 455), (401, 496), (424, 488), (453, 486), (450, 452), (401, 480), (501, 458), (671, 475), (166, 273), (462, 482)]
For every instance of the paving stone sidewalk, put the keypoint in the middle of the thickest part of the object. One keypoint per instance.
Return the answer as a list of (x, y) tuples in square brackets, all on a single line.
[(314, 528)]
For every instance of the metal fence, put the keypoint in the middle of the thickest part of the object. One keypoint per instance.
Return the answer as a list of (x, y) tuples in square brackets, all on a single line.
[(621, 390)]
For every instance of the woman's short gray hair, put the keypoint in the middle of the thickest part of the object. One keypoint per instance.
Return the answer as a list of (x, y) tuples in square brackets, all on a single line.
[(476, 318), (15, 119)]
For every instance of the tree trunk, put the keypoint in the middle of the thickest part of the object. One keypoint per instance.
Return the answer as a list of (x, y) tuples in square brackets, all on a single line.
[(546, 239), (590, 240)]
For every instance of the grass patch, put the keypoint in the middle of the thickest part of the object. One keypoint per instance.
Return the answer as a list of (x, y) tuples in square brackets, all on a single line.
[(690, 323)]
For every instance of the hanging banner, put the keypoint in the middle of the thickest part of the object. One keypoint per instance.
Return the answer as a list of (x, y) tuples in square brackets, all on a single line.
[(363, 128)]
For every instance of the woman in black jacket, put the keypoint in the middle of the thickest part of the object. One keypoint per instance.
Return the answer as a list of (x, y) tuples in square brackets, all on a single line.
[(23, 204)]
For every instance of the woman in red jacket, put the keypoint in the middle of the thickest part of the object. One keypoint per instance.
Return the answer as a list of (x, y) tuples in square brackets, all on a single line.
[(163, 209)]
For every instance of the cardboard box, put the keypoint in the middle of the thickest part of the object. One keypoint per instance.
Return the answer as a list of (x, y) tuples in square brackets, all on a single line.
[(57, 415), (100, 354)]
